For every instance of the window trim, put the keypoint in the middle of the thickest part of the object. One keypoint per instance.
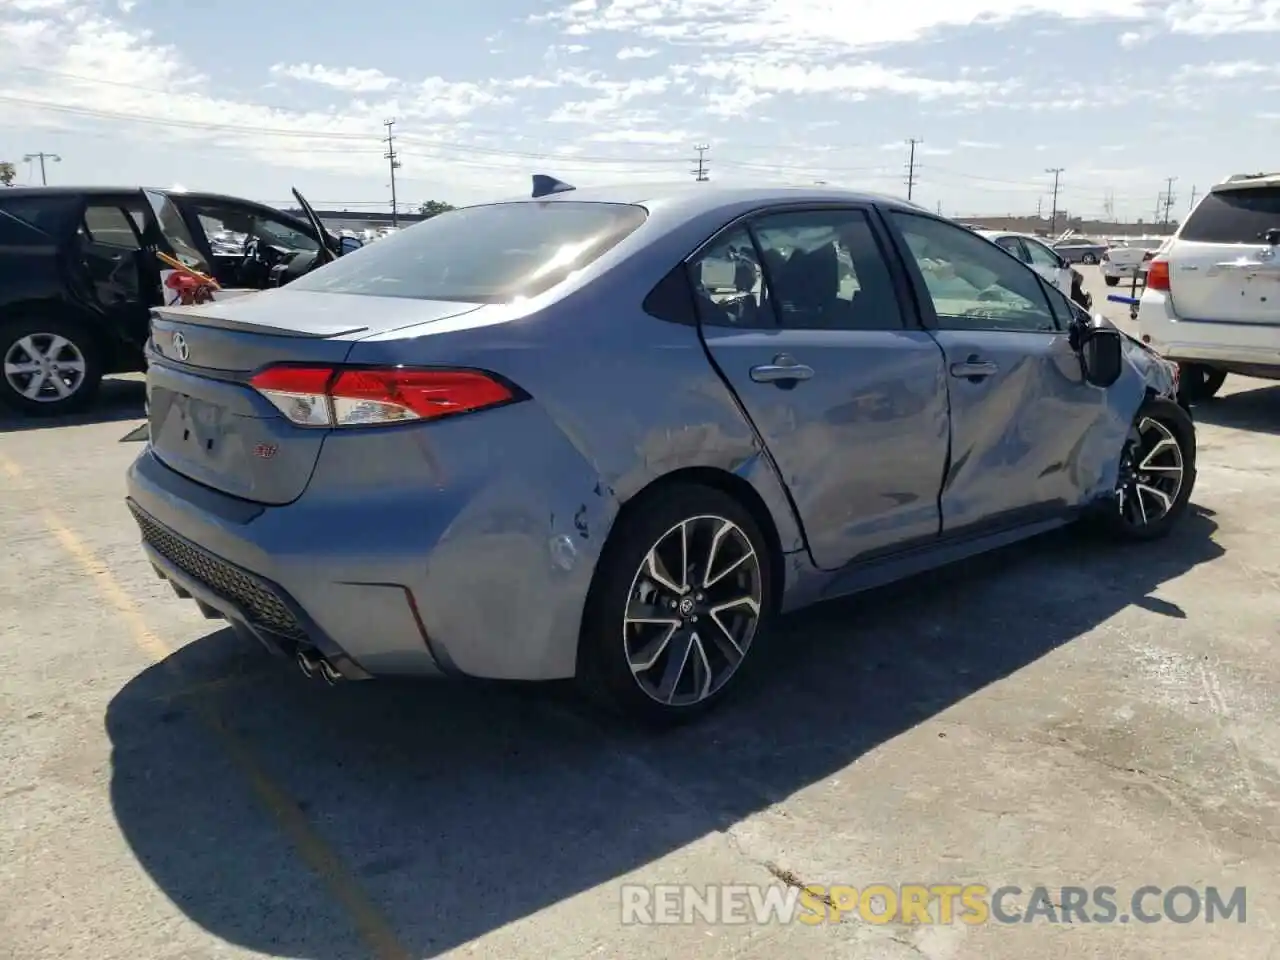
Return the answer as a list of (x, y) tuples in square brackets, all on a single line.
[(924, 300), (118, 205), (913, 317)]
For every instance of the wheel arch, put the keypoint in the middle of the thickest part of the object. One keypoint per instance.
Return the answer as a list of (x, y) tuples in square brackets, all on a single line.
[(726, 482)]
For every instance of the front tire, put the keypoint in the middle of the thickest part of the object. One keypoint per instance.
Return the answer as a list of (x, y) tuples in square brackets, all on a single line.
[(1157, 474), (680, 603), (1197, 382), (1111, 281), (48, 367)]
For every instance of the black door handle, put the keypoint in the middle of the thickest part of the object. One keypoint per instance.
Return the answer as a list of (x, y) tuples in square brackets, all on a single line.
[(974, 368)]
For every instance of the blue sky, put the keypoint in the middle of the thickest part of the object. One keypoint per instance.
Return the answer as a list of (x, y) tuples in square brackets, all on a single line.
[(253, 98)]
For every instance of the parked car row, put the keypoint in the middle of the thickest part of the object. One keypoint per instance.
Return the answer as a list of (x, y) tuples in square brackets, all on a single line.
[(611, 434), (79, 276)]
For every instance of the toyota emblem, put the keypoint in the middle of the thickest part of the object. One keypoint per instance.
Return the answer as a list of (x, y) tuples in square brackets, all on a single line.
[(180, 348)]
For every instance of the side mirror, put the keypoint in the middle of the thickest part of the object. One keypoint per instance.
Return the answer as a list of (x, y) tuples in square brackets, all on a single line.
[(348, 245), (1101, 351)]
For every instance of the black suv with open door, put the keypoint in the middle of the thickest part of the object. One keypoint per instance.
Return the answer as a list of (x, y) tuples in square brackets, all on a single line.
[(79, 275)]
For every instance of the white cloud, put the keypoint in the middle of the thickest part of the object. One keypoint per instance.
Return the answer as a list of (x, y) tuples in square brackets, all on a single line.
[(817, 24), (1215, 17), (977, 145), (653, 137), (612, 96), (353, 79), (1132, 38), (1230, 70), (636, 53)]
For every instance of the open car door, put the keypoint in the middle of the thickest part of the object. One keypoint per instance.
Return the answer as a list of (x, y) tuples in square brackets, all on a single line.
[(330, 249)]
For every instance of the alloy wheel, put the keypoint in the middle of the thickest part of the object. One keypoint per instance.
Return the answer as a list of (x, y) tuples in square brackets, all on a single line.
[(44, 367), (1151, 473), (692, 611)]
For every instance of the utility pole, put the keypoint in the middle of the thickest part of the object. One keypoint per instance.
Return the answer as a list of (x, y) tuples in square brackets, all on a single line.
[(1109, 205), (701, 173), (1039, 207), (1168, 198), (42, 157), (911, 165), (1053, 217), (1192, 204), (390, 157)]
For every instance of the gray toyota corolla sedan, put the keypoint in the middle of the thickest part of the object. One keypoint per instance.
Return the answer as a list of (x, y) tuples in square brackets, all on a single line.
[(610, 434)]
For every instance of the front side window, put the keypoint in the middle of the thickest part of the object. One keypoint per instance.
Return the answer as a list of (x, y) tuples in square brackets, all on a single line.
[(494, 253), (972, 285), (827, 271), (228, 227)]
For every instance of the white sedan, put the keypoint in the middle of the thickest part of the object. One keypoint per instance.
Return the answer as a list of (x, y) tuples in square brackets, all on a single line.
[(1129, 258), (1036, 254)]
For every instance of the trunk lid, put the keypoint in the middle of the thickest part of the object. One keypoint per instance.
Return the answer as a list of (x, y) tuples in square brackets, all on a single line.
[(1225, 264), (208, 424)]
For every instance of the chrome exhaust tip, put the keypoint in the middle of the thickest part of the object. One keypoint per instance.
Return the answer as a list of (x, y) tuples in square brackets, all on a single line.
[(329, 672), (309, 663)]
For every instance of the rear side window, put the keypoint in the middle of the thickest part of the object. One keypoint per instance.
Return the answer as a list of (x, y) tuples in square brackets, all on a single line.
[(485, 254), (1234, 216), (50, 214)]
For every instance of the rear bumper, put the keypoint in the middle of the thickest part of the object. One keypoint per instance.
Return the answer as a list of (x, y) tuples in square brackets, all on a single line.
[(1250, 349), (413, 583)]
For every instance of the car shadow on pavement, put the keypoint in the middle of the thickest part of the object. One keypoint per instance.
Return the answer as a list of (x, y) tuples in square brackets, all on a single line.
[(1257, 410), (461, 808), (117, 400)]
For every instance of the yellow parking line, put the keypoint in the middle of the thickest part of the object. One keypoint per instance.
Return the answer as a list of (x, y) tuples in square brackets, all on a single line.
[(373, 927)]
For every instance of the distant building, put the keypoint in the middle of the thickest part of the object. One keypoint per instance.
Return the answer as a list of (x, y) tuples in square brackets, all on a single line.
[(358, 221), (1039, 226)]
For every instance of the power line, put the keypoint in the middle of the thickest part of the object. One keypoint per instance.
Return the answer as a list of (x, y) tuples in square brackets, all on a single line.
[(1053, 216), (394, 163), (42, 157), (911, 166), (700, 173)]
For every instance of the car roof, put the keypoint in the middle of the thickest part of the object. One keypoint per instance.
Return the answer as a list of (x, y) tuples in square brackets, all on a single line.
[(993, 234), (101, 191), (694, 198)]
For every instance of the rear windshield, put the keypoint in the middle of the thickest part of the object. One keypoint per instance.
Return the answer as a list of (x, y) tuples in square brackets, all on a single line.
[(1234, 216), (486, 254)]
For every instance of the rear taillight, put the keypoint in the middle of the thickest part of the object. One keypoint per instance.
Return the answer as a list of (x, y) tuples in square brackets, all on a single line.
[(1158, 275), (357, 396)]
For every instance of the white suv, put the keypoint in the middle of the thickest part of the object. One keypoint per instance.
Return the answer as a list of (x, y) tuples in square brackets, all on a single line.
[(1212, 299)]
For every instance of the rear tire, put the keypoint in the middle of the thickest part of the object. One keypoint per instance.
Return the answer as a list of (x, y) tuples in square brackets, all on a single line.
[(48, 367), (1157, 475), (1111, 281), (1089, 258), (658, 610), (1197, 382)]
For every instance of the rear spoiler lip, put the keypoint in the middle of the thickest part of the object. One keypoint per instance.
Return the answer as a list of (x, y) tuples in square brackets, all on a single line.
[(192, 316)]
